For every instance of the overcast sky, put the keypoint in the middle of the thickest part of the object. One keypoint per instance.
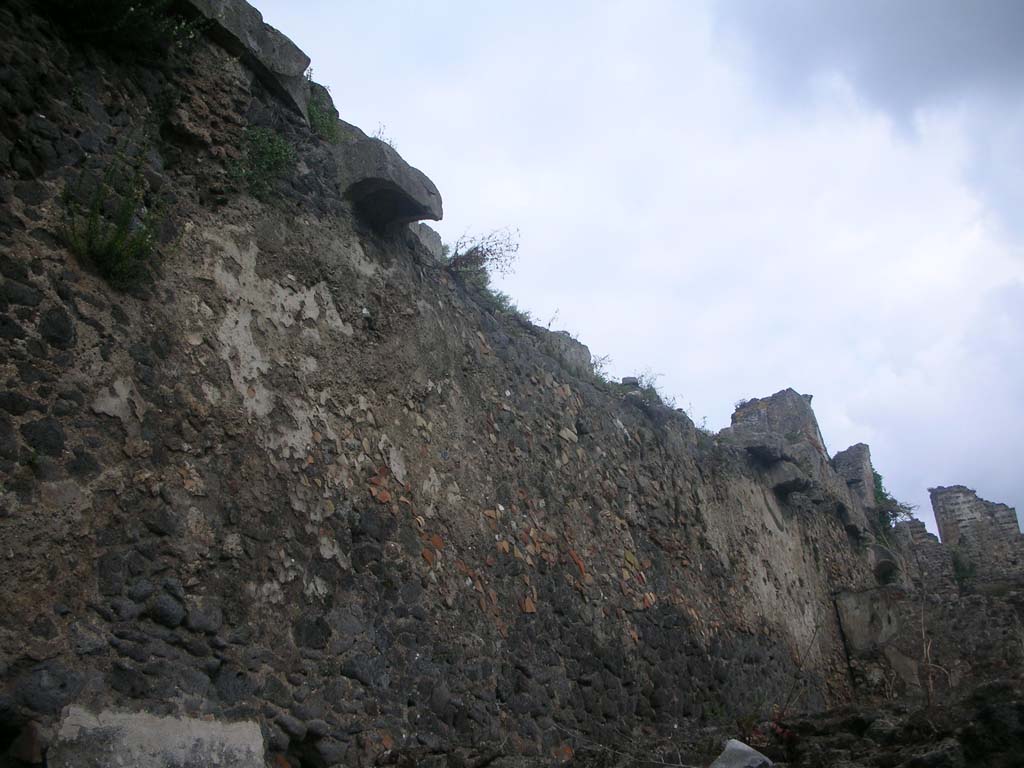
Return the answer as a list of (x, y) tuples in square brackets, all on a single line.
[(737, 196)]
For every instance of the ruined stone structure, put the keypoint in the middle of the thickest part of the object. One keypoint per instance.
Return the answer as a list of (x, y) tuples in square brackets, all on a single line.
[(960, 593), (304, 497), (962, 516), (984, 537)]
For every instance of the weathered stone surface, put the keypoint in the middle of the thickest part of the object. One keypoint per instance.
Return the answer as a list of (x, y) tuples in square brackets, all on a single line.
[(204, 615), (8, 439), (44, 435), (15, 292), (779, 427), (166, 610), (574, 354), (738, 755), (280, 63), (312, 631), (782, 434), (384, 189), (28, 747), (112, 739), (960, 513), (429, 239), (56, 328), (854, 466), (48, 686), (869, 618)]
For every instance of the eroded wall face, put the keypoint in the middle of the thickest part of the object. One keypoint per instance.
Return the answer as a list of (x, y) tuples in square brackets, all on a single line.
[(423, 529), (303, 478), (984, 537)]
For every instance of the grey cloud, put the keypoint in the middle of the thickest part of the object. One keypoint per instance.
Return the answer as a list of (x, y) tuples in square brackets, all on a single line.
[(902, 55), (905, 57)]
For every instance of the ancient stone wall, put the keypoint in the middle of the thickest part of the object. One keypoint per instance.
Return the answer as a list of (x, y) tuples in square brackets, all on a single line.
[(984, 537), (958, 616), (303, 481), (959, 513)]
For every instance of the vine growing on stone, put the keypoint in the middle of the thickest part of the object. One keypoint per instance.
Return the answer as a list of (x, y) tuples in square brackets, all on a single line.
[(890, 511)]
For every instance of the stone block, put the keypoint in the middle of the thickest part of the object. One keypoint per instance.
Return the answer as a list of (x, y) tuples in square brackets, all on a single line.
[(738, 755), (384, 189), (275, 59), (574, 355), (429, 239), (854, 466)]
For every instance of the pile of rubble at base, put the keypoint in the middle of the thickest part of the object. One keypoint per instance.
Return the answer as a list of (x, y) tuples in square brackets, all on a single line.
[(984, 728)]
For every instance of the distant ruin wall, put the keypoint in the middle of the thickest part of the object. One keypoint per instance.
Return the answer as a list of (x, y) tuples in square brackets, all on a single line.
[(960, 514), (984, 536), (958, 614)]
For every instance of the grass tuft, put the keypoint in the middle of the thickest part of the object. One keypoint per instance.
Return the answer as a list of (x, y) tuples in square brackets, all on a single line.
[(107, 224)]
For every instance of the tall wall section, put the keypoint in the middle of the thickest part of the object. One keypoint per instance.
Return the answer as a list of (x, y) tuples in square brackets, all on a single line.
[(306, 484)]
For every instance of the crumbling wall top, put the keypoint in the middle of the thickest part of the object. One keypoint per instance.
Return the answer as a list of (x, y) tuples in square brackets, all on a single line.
[(960, 513), (854, 466), (277, 61)]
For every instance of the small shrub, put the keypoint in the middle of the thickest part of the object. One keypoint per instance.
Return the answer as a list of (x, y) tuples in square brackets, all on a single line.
[(109, 225), (963, 569), (322, 115), (648, 382), (475, 258), (321, 119), (144, 27), (500, 301), (381, 134), (890, 511), (266, 157), (601, 368)]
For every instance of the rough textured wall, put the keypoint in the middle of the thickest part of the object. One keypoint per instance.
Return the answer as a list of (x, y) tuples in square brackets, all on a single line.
[(955, 617), (959, 513), (306, 481)]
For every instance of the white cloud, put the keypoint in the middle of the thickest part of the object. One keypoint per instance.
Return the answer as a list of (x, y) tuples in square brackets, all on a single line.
[(684, 218)]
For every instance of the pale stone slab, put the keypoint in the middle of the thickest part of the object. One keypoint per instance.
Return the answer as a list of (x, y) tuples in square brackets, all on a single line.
[(111, 739)]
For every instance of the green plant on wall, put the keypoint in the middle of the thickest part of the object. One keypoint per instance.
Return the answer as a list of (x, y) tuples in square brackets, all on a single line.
[(321, 118), (890, 511), (963, 569), (266, 157), (474, 259), (107, 224)]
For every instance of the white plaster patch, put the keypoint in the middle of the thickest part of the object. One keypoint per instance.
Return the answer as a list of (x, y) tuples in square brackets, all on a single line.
[(316, 588), (330, 550), (431, 485), (258, 307), (268, 592), (211, 391), (121, 401), (141, 740), (396, 462), (353, 253)]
